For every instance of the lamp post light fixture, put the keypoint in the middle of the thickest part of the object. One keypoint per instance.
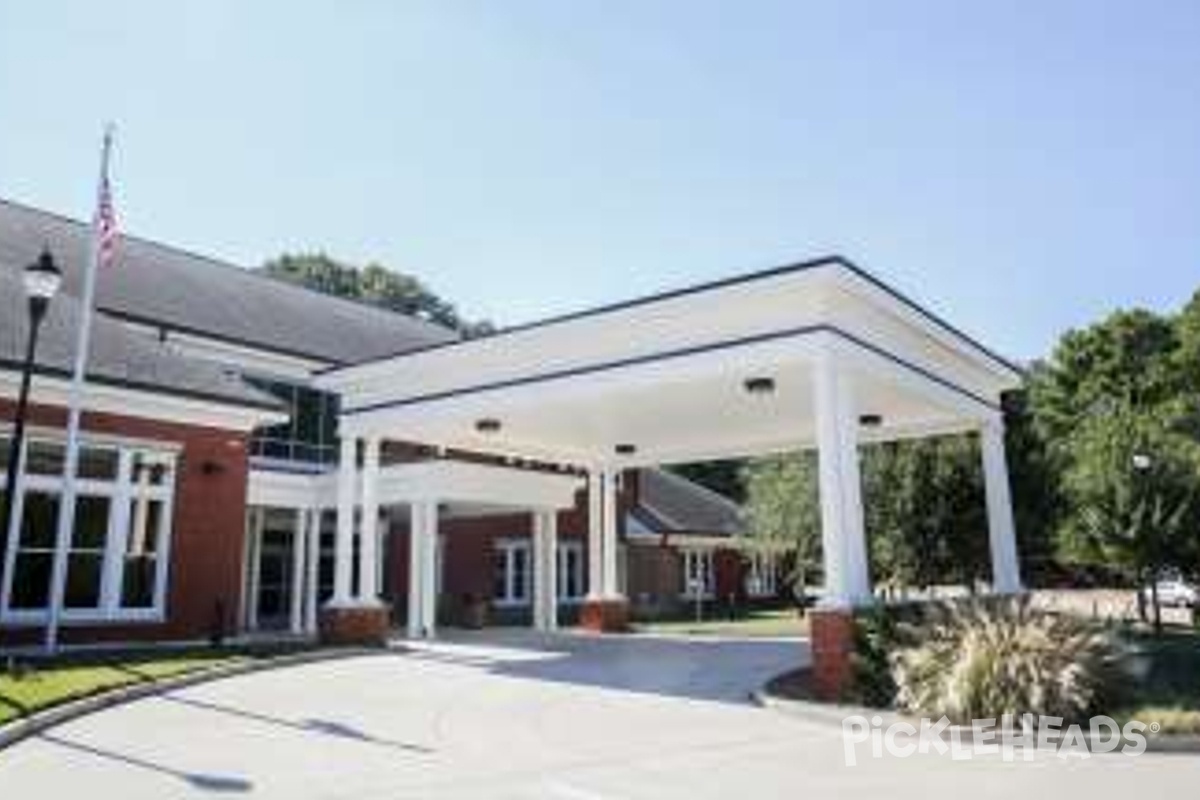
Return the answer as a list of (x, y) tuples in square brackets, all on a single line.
[(41, 281), (1141, 462)]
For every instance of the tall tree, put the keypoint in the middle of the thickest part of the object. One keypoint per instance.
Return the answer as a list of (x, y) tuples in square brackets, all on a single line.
[(925, 512), (784, 513), (374, 285), (1119, 389)]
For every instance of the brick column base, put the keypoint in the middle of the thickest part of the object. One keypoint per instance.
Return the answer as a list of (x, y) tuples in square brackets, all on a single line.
[(831, 632), (605, 615), (356, 625)]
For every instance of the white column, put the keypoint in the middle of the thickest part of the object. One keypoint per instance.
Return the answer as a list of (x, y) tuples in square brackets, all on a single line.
[(847, 580), (368, 528), (312, 567), (343, 570), (609, 527), (255, 565), (545, 566), (1006, 572), (418, 514), (243, 613), (539, 572), (299, 538), (595, 570), (429, 596)]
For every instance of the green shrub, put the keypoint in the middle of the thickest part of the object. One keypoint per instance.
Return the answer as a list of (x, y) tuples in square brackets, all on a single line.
[(875, 634), (984, 657)]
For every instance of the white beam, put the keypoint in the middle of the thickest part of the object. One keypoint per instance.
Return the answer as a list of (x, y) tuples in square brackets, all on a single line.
[(843, 539), (545, 565), (1006, 573), (429, 587), (418, 522), (312, 565), (608, 516), (255, 564), (368, 527), (595, 534), (344, 546), (299, 541)]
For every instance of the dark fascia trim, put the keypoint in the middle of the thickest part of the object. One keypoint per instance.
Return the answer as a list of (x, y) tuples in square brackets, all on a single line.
[(700, 288), (173, 327), (140, 386), (589, 369)]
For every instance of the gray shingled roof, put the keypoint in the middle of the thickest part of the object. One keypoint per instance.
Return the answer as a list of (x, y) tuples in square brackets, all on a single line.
[(118, 356), (167, 287), (670, 503)]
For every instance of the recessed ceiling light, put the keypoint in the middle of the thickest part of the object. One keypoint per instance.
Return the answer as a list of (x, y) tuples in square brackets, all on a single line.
[(759, 385), (487, 425)]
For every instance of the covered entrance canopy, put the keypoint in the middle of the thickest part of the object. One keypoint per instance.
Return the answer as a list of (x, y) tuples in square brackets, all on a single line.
[(816, 355)]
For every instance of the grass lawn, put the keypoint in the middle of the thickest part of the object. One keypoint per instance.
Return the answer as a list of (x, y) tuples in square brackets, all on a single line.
[(766, 623), (36, 686)]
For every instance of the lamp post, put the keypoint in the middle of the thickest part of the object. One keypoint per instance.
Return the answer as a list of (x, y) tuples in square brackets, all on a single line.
[(41, 280), (1141, 466)]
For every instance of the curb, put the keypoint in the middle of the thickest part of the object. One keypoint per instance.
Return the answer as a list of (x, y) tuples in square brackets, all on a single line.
[(24, 727), (833, 714)]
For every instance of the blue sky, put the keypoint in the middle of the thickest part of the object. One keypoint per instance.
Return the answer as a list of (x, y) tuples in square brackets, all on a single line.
[(1020, 167)]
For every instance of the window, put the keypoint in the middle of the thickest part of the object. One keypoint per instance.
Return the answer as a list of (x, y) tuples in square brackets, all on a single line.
[(698, 574), (511, 576), (569, 573), (310, 433), (761, 577), (116, 563)]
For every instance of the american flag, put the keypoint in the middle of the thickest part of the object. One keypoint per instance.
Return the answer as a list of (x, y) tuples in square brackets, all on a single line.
[(106, 220)]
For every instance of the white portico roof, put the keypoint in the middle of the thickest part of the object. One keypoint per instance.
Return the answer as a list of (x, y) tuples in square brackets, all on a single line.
[(446, 481), (667, 374)]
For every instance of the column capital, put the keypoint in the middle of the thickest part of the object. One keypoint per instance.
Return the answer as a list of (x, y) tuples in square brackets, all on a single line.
[(992, 423)]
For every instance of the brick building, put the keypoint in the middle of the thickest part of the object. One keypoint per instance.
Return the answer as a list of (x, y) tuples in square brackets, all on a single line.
[(209, 487)]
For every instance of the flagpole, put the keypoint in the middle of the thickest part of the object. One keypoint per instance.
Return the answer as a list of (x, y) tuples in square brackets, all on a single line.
[(66, 504)]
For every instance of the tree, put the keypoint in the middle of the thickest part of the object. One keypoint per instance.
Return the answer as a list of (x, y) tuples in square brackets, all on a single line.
[(1124, 386), (1035, 482), (374, 285), (1128, 360), (924, 511), (1132, 484), (784, 513)]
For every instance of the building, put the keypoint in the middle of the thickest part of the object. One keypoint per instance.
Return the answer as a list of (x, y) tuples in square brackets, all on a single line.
[(209, 484), (258, 456)]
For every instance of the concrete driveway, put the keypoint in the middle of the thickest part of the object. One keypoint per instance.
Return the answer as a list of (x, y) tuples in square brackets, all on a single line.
[(510, 715)]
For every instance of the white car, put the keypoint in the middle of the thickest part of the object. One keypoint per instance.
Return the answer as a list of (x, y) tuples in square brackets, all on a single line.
[(1173, 592)]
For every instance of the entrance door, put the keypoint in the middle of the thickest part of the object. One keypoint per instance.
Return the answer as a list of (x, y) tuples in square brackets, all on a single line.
[(275, 579)]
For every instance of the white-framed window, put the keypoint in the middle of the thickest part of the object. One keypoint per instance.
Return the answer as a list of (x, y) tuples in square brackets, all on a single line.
[(118, 552), (569, 573), (762, 575), (512, 573), (698, 574), (512, 576)]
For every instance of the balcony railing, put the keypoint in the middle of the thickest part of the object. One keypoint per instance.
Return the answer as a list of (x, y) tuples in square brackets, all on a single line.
[(293, 450)]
